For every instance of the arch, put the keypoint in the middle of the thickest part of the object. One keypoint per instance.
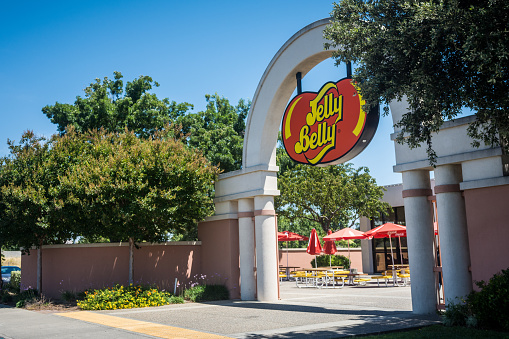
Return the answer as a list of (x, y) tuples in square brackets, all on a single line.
[(303, 51)]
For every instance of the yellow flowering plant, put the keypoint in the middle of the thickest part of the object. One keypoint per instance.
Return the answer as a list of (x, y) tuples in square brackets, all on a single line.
[(120, 297)]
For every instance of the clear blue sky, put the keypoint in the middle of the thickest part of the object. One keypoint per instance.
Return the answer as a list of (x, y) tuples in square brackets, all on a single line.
[(51, 50)]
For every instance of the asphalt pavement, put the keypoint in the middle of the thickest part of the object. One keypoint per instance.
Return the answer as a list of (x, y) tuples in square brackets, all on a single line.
[(301, 313)]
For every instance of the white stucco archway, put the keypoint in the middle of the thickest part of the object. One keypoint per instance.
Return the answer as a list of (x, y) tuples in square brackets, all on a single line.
[(303, 51), (248, 193)]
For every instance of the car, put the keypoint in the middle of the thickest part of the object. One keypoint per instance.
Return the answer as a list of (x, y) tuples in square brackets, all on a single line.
[(6, 272)]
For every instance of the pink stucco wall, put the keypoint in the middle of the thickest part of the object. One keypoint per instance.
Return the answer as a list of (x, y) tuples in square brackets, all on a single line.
[(488, 230), (215, 257), (78, 267), (220, 253), (300, 258)]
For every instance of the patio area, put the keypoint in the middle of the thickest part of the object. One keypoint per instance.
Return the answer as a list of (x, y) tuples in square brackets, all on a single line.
[(301, 313)]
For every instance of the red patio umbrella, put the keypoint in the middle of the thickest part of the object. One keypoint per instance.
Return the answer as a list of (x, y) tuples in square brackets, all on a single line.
[(329, 247), (345, 233), (289, 236), (388, 230), (314, 246)]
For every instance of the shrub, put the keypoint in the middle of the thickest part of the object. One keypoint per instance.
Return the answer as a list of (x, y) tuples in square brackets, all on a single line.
[(120, 297), (5, 296), (206, 293), (491, 304), (456, 314), (15, 282), (336, 260), (27, 296), (488, 308), (68, 296)]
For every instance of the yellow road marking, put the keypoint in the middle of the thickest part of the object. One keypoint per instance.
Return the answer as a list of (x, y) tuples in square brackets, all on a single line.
[(156, 330)]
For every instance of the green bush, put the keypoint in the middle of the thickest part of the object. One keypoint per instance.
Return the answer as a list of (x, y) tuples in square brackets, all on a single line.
[(26, 296), (15, 282), (120, 297), (206, 293), (456, 314), (490, 305), (68, 296), (5, 296), (488, 308), (336, 260)]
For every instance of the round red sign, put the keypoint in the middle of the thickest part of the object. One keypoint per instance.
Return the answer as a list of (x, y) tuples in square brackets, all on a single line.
[(328, 126)]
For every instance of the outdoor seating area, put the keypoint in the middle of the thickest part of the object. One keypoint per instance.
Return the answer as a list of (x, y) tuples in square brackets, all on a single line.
[(337, 277), (396, 275)]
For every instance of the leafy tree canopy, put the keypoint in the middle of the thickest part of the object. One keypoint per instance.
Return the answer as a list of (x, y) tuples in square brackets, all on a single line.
[(29, 216), (102, 185), (283, 160), (333, 197), (218, 131), (440, 55), (128, 187), (108, 105)]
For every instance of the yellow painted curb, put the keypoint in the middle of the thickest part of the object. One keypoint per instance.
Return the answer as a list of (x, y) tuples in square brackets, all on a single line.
[(156, 330)]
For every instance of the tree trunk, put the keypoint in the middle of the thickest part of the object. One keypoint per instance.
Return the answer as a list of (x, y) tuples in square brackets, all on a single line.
[(1, 281), (131, 260), (39, 268)]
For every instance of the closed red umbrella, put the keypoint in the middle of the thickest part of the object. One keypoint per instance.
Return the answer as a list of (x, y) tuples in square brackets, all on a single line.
[(314, 246), (329, 247), (345, 233)]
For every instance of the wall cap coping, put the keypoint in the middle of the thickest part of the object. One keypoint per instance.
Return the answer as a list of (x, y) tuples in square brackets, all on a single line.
[(448, 159), (482, 183), (226, 216), (246, 194), (446, 125), (122, 244), (248, 170)]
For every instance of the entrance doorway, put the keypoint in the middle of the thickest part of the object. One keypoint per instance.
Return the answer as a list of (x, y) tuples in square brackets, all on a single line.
[(381, 247)]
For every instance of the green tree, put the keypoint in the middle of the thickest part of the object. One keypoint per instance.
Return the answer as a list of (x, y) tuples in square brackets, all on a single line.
[(218, 131), (332, 196), (126, 188), (29, 216), (441, 55), (300, 226), (108, 105), (283, 160)]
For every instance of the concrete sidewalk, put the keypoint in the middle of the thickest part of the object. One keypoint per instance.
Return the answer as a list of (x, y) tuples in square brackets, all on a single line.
[(302, 313)]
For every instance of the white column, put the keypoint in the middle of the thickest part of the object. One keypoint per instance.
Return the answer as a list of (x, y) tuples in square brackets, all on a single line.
[(266, 247), (452, 223), (419, 222), (366, 247), (247, 249)]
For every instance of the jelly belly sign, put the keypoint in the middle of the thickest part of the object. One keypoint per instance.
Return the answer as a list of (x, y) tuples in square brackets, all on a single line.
[(328, 127)]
